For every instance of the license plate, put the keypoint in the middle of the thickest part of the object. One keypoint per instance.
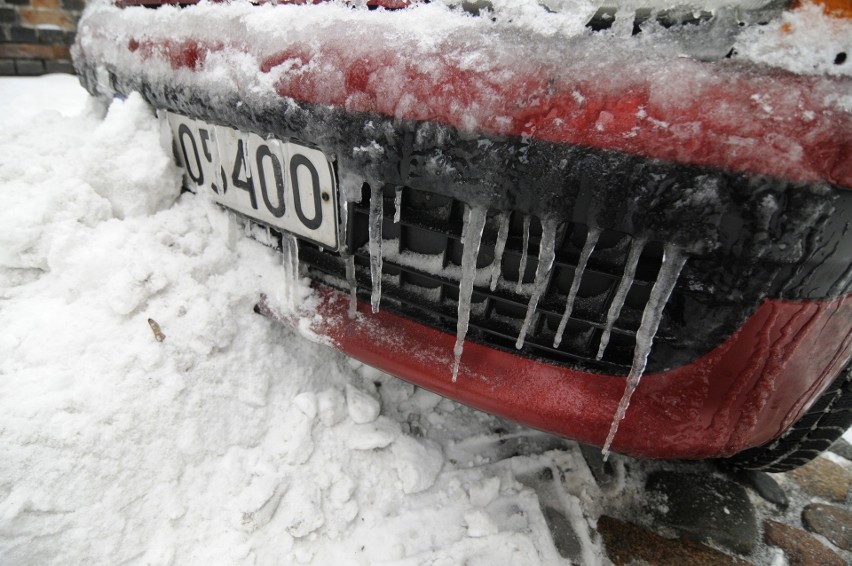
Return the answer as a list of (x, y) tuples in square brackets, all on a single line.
[(283, 184)]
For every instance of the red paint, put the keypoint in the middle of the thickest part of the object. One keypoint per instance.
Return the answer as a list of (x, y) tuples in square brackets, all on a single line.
[(733, 116), (742, 119), (186, 54), (742, 394)]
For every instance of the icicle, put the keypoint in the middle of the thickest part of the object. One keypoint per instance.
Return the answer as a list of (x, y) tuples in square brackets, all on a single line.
[(232, 230), (213, 172), (624, 285), (342, 242), (104, 82), (502, 236), (165, 131), (522, 268), (591, 239), (471, 238), (290, 252), (624, 23), (673, 260), (375, 230), (397, 205), (546, 255), (294, 268), (353, 285), (247, 159)]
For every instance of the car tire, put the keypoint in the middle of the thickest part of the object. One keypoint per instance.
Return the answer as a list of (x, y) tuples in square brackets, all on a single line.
[(819, 428)]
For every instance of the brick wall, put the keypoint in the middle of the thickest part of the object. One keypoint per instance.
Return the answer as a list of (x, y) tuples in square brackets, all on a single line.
[(35, 35)]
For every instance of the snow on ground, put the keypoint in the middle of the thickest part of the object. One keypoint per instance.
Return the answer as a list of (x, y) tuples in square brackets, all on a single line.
[(233, 440), (22, 99)]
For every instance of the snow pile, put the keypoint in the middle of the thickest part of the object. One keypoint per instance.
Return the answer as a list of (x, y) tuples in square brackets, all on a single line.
[(38, 94), (226, 438), (122, 163)]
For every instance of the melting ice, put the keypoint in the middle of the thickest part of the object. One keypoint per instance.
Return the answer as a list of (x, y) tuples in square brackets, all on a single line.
[(290, 258), (375, 231), (522, 268), (397, 205), (673, 260), (471, 238), (624, 285), (546, 255), (499, 247), (353, 285), (591, 240)]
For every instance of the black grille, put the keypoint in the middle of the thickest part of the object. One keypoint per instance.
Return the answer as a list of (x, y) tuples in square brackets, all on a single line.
[(749, 237), (430, 226)]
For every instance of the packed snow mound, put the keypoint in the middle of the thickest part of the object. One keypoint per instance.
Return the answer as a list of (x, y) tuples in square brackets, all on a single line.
[(124, 164), (148, 415), (116, 169)]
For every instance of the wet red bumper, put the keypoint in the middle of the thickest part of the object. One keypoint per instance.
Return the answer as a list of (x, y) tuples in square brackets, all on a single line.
[(742, 394)]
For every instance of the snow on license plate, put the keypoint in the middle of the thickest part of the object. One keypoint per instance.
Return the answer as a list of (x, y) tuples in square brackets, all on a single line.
[(283, 184)]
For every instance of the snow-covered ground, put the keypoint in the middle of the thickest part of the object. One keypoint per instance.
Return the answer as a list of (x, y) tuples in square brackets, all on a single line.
[(232, 440)]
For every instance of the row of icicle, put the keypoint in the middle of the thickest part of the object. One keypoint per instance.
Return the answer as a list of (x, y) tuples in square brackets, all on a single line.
[(473, 226)]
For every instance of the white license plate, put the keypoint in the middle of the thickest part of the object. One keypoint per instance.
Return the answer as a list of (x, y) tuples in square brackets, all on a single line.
[(283, 184)]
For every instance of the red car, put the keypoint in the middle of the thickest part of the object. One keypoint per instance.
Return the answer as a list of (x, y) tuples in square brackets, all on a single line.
[(625, 226)]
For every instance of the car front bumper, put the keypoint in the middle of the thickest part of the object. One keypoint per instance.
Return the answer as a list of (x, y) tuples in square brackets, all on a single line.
[(731, 399), (759, 320)]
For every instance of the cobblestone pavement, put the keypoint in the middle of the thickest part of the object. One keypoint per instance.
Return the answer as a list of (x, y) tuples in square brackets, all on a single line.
[(703, 513)]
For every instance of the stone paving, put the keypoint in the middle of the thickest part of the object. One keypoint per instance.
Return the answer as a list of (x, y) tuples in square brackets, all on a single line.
[(702, 513)]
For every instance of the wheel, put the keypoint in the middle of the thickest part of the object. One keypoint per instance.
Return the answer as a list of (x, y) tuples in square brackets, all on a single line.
[(824, 423)]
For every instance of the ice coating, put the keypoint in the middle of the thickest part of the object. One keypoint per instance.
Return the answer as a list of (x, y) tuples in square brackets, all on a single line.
[(397, 205), (673, 260), (546, 255), (843, 281), (499, 247), (375, 230), (433, 63), (353, 285), (471, 238), (522, 268), (636, 247), (591, 240)]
